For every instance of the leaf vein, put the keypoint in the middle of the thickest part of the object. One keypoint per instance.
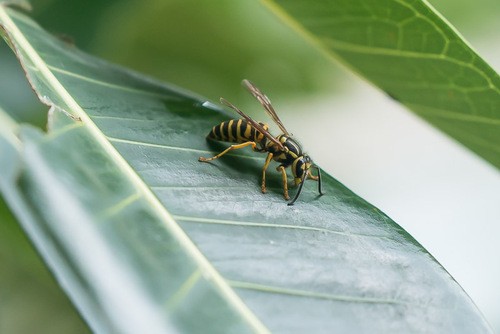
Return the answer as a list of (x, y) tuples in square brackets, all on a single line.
[(115, 209), (178, 148), (357, 48), (108, 84), (283, 226), (183, 291), (311, 294)]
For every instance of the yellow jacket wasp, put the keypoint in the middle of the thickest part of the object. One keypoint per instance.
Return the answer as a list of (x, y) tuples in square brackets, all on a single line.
[(282, 148)]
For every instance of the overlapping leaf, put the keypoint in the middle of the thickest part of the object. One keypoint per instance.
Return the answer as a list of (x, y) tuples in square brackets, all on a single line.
[(409, 51)]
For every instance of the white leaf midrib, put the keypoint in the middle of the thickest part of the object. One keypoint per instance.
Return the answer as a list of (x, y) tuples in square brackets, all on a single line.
[(209, 272)]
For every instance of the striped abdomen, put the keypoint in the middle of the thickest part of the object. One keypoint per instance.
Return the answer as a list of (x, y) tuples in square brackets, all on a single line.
[(237, 131)]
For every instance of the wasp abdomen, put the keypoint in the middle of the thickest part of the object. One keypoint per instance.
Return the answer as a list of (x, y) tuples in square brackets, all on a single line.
[(236, 131)]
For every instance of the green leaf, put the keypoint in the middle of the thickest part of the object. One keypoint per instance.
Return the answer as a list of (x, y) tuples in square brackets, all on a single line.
[(30, 299), (408, 50), (144, 237)]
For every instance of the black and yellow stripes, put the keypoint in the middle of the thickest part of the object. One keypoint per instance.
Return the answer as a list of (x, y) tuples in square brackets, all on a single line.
[(236, 131), (293, 152)]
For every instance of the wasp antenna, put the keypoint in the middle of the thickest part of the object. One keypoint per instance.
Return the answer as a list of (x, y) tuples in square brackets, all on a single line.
[(319, 180), (304, 178)]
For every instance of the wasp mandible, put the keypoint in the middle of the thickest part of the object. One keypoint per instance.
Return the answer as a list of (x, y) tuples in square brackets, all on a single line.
[(282, 148)]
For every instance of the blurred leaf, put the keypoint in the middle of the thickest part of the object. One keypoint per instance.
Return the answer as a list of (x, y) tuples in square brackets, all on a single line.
[(77, 21), (30, 299), (115, 200), (409, 51), (217, 42)]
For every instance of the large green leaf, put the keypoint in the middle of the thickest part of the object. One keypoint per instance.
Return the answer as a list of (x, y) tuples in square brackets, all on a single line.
[(143, 237), (409, 51)]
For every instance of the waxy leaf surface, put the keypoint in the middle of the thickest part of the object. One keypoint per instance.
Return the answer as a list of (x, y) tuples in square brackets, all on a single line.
[(409, 51)]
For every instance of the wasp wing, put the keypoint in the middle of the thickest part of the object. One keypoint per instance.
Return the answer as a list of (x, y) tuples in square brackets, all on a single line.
[(252, 122), (266, 103)]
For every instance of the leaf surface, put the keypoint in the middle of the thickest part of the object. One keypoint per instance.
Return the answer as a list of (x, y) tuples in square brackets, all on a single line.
[(409, 51), (143, 236)]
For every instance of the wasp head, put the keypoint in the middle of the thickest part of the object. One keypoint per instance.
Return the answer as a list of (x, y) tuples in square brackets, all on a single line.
[(300, 166)]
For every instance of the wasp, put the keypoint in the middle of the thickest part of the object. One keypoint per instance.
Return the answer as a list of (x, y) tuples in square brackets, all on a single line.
[(282, 148)]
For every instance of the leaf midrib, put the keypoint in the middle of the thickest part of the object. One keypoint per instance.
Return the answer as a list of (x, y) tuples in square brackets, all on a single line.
[(169, 223)]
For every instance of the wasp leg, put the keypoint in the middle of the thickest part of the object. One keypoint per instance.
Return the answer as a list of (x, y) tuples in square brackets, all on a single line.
[(230, 148), (268, 160), (285, 181), (313, 177), (304, 177)]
